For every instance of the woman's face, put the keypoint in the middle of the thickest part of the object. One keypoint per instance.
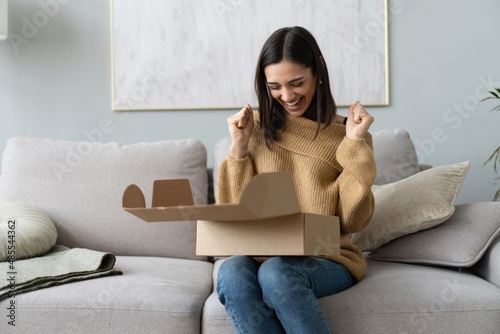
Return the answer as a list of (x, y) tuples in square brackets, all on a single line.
[(292, 84)]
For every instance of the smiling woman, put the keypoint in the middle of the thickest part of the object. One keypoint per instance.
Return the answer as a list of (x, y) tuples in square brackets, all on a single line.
[(292, 84), (331, 162), (291, 68)]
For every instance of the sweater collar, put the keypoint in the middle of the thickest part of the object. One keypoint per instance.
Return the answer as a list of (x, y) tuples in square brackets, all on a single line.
[(299, 136)]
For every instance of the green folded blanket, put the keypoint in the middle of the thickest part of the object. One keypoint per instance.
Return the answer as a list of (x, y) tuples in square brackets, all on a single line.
[(61, 265)]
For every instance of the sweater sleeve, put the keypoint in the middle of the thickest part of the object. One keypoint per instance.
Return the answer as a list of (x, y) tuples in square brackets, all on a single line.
[(356, 203), (232, 178)]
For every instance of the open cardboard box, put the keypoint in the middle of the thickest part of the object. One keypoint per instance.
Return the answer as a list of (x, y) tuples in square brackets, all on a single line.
[(266, 222)]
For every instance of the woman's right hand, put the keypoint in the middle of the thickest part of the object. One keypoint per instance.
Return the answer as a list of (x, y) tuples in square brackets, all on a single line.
[(240, 128)]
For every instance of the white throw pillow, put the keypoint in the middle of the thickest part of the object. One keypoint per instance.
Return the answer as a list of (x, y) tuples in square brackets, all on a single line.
[(418, 202), (24, 232)]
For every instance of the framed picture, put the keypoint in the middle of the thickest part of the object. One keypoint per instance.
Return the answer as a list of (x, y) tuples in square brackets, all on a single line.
[(202, 54)]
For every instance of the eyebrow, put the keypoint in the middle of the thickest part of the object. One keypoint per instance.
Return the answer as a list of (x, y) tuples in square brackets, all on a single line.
[(291, 81)]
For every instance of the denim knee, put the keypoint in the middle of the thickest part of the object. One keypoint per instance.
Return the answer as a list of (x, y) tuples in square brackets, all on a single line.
[(233, 265), (234, 275), (279, 270), (278, 277)]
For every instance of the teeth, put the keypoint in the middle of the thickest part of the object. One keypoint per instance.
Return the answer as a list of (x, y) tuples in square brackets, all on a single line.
[(294, 102)]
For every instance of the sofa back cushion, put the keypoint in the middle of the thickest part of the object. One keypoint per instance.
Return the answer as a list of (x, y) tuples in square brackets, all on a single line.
[(395, 155), (79, 185)]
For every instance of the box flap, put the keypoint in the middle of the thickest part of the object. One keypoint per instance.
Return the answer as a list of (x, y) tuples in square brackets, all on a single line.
[(267, 195), (164, 196)]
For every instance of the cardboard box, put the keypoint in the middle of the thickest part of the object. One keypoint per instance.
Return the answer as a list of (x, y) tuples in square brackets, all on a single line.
[(266, 222)]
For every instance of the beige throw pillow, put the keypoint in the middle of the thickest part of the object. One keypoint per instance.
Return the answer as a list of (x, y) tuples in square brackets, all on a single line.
[(418, 202)]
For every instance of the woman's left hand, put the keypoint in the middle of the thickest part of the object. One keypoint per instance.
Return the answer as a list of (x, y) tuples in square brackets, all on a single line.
[(358, 122)]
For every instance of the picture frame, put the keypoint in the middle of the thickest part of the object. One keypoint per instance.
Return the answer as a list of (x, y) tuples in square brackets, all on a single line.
[(201, 54)]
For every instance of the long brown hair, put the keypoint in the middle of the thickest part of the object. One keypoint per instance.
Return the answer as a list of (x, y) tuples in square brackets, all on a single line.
[(296, 44)]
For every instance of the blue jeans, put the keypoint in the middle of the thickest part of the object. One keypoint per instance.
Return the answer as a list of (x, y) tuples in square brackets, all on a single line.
[(279, 295)]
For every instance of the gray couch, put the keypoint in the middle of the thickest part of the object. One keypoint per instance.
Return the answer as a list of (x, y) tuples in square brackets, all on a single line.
[(166, 288)]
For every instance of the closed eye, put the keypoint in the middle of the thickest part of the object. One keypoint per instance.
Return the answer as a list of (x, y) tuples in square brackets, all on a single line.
[(294, 84)]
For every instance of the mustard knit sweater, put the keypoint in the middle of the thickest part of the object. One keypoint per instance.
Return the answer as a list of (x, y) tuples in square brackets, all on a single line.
[(332, 174)]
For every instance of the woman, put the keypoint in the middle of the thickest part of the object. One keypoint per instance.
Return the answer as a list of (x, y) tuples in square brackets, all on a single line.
[(331, 161)]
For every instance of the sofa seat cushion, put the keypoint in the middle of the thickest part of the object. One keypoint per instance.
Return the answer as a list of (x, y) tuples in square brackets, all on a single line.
[(215, 319), (79, 185), (488, 267), (154, 295), (396, 298), (399, 298)]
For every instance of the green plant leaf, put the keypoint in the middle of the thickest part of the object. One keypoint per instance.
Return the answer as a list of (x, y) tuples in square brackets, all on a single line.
[(495, 158), (490, 98), (494, 93)]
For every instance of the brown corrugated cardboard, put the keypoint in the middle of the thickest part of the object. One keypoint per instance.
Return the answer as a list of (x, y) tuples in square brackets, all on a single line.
[(267, 221)]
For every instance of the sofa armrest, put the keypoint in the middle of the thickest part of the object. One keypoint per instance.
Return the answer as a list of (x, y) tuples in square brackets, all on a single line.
[(488, 268)]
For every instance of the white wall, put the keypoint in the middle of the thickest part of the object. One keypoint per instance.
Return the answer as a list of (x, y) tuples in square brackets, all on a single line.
[(56, 82)]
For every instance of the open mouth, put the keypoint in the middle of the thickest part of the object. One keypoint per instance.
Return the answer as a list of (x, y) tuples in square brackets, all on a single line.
[(294, 105)]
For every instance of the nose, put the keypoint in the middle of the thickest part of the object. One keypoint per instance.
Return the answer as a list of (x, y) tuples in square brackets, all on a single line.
[(287, 95)]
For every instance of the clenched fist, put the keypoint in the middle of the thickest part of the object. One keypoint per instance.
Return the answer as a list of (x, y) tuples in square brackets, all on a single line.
[(240, 128), (358, 122)]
